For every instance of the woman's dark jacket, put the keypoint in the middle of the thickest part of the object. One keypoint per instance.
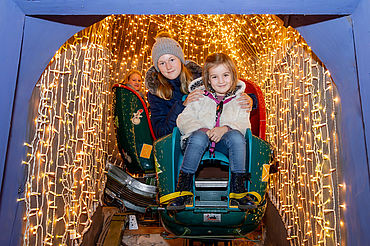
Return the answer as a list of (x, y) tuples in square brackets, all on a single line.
[(164, 112)]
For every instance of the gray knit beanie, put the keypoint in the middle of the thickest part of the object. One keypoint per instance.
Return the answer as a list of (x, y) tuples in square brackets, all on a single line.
[(164, 45)]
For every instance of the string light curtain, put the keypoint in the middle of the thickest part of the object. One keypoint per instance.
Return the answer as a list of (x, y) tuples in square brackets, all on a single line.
[(302, 123), (68, 141), (71, 138)]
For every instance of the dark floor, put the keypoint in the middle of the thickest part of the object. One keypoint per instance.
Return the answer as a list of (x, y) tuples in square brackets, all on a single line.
[(151, 235), (111, 227)]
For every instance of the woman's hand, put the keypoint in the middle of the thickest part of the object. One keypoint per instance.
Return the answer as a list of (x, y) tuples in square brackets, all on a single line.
[(216, 133), (245, 102), (193, 96)]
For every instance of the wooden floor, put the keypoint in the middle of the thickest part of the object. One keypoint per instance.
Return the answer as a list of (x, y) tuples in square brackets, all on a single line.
[(150, 235)]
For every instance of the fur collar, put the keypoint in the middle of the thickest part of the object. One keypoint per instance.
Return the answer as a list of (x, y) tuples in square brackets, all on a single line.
[(198, 84), (151, 78)]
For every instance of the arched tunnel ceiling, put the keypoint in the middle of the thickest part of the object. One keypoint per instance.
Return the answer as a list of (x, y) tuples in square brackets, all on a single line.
[(244, 37), (247, 36)]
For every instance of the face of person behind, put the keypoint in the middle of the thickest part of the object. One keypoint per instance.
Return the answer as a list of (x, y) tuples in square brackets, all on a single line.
[(220, 78), (135, 81), (170, 66)]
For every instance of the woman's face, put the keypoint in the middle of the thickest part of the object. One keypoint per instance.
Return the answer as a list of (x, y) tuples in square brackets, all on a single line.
[(220, 78), (170, 66), (135, 81)]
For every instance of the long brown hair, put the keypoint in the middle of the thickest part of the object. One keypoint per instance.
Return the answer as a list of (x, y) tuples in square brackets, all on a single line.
[(165, 90), (215, 60)]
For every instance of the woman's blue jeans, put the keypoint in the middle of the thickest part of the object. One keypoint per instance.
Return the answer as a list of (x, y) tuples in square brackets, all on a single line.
[(232, 144)]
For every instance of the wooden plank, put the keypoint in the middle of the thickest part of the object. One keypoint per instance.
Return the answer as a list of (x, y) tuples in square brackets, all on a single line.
[(144, 230), (116, 228)]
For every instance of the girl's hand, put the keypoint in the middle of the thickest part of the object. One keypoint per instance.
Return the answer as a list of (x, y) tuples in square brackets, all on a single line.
[(216, 133), (245, 102), (193, 96)]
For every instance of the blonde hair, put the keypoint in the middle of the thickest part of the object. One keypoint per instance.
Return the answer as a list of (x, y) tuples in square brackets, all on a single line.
[(128, 75), (165, 90), (217, 59)]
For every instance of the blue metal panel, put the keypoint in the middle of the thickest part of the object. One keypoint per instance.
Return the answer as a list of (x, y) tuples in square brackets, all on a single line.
[(361, 26), (106, 7), (11, 29), (41, 40), (332, 42)]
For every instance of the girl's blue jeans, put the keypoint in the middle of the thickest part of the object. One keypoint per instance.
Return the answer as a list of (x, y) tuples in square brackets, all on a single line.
[(232, 144)]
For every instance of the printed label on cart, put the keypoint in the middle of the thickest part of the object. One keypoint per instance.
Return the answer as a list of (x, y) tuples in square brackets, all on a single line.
[(212, 218), (266, 173), (132, 222), (146, 150)]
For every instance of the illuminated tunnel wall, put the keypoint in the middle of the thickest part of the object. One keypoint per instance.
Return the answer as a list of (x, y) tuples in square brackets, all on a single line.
[(70, 138), (67, 147)]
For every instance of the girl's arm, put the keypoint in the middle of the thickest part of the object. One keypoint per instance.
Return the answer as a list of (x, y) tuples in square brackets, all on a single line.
[(189, 121)]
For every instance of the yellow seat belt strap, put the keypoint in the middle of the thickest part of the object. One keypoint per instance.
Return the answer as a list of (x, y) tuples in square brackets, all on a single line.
[(167, 198), (241, 195)]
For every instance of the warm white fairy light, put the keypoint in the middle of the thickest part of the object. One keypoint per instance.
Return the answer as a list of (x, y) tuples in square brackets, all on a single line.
[(67, 151), (72, 135), (302, 123)]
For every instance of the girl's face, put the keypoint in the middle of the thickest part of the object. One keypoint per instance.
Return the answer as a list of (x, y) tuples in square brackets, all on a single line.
[(135, 81), (220, 78), (170, 66)]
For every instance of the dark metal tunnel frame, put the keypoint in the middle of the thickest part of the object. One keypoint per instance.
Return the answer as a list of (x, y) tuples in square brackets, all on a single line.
[(75, 20), (304, 20), (88, 20)]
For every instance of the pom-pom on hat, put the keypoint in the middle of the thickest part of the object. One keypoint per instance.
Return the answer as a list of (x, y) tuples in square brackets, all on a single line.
[(166, 45)]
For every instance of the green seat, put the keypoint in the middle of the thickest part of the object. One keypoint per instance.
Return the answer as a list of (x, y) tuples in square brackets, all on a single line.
[(133, 130)]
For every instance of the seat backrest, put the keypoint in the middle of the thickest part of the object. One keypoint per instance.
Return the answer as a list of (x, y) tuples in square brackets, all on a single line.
[(143, 104), (218, 156), (258, 116), (134, 131)]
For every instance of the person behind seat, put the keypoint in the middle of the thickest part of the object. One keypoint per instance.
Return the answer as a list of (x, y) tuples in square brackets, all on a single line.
[(134, 80), (167, 82), (216, 122)]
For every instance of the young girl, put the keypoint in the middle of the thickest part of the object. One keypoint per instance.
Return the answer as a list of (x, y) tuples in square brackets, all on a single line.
[(218, 122), (134, 80)]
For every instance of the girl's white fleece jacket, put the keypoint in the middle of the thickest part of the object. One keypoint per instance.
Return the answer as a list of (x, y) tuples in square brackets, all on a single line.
[(202, 113)]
